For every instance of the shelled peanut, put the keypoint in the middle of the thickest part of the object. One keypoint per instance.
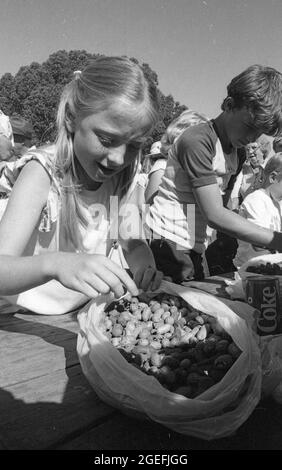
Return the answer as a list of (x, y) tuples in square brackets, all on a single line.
[(185, 350)]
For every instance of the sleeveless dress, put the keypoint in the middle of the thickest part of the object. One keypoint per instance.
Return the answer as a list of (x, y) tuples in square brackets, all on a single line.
[(52, 297)]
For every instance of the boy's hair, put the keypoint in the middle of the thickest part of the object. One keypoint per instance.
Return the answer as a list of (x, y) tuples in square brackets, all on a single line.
[(273, 164), (92, 91), (259, 88), (178, 125)]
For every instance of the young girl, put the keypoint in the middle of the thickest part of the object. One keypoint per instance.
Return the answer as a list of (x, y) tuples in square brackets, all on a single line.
[(199, 168), (176, 127), (263, 207), (61, 220)]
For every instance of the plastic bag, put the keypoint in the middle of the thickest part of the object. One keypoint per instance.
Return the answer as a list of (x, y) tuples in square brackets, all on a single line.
[(216, 413), (271, 354)]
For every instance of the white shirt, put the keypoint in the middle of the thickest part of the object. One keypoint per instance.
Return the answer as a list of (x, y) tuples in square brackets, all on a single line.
[(259, 208)]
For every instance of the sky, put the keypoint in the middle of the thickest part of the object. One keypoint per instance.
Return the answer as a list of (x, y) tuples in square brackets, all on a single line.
[(195, 46)]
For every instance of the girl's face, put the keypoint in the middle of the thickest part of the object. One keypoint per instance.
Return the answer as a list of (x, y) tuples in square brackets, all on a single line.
[(108, 141), (239, 127)]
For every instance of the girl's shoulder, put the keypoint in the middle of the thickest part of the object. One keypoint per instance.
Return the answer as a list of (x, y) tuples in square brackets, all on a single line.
[(45, 156), (10, 171)]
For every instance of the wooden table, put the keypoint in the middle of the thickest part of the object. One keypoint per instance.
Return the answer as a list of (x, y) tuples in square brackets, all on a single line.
[(46, 402)]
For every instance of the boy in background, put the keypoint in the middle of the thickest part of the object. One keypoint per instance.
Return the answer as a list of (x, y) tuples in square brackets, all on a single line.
[(199, 167), (262, 207), (277, 144), (22, 133), (6, 138)]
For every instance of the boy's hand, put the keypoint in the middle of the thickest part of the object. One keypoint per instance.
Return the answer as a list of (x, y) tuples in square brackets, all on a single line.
[(148, 278)]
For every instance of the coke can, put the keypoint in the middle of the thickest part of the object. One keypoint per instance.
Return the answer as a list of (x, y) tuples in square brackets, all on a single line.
[(262, 293)]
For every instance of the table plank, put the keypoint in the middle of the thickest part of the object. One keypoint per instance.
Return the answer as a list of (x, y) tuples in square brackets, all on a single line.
[(39, 413), (44, 396), (31, 346)]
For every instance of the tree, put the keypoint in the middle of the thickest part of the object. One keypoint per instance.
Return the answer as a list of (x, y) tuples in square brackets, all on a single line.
[(35, 89), (7, 92)]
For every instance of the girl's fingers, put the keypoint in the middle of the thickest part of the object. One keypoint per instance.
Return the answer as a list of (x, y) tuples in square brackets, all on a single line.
[(121, 280), (98, 284), (110, 280), (87, 290)]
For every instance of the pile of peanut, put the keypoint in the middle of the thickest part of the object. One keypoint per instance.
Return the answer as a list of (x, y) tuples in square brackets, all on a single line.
[(185, 350)]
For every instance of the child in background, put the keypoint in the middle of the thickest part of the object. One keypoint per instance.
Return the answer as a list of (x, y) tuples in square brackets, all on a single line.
[(198, 170), (277, 144), (153, 166), (250, 177), (22, 133), (176, 127), (56, 233), (263, 207), (6, 139)]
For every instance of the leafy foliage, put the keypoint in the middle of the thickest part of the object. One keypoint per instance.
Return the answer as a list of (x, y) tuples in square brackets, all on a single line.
[(35, 90)]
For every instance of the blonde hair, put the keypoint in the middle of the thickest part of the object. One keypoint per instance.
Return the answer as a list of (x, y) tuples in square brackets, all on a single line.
[(92, 91), (186, 119)]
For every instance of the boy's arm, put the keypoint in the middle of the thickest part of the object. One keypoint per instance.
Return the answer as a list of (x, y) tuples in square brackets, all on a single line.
[(210, 203), (254, 210)]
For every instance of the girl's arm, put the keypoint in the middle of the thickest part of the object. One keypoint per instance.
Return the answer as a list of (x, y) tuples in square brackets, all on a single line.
[(210, 202), (88, 274), (22, 214), (25, 204)]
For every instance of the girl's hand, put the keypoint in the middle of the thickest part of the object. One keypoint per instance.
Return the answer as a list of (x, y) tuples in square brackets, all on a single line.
[(148, 278), (91, 274)]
